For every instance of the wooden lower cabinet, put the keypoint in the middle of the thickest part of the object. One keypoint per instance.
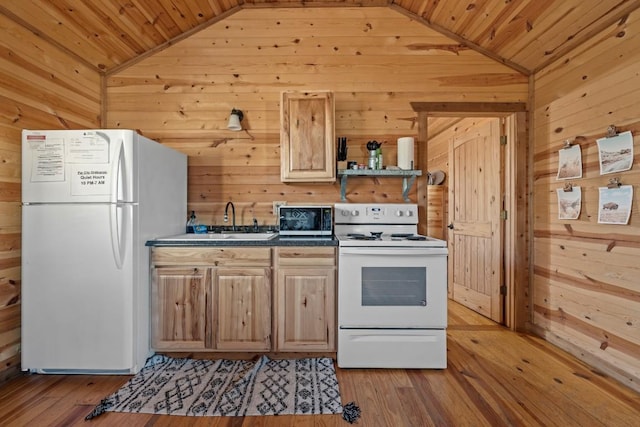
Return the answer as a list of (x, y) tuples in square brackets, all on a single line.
[(222, 301), (243, 308), (305, 309), (178, 313)]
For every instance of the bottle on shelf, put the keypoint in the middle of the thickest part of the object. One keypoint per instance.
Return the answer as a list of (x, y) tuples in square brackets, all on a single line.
[(192, 222)]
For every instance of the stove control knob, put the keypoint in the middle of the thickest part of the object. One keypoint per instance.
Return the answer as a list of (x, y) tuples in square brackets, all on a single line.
[(399, 213), (345, 213), (355, 213), (409, 213)]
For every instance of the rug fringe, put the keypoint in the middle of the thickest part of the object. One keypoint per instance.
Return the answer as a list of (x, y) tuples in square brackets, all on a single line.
[(351, 412), (100, 409)]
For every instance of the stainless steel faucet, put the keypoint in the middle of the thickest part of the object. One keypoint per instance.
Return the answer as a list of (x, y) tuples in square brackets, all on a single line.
[(233, 213)]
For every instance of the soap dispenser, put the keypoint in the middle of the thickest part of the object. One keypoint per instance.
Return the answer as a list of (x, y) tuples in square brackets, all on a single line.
[(192, 222)]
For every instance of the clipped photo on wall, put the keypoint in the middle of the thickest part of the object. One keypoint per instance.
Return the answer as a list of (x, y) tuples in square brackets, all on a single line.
[(615, 153), (569, 203), (570, 162), (614, 206)]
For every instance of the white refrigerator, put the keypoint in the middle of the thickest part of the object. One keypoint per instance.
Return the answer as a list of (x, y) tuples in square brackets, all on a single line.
[(90, 201)]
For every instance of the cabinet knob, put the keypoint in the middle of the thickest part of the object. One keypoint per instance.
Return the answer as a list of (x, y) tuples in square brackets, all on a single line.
[(450, 226)]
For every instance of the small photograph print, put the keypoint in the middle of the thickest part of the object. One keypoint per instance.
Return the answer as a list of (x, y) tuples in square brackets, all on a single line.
[(616, 153), (569, 203), (614, 205), (570, 163)]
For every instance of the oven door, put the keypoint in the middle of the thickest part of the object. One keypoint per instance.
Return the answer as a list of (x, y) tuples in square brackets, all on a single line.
[(392, 287)]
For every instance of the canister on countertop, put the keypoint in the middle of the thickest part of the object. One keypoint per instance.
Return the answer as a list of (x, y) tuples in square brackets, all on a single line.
[(373, 159)]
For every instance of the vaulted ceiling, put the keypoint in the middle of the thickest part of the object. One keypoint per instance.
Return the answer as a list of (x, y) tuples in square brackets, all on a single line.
[(526, 35)]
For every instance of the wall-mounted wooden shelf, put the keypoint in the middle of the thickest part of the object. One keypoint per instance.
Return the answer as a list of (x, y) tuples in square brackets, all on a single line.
[(408, 178)]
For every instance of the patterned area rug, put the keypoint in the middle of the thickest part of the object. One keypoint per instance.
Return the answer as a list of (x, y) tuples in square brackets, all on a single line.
[(228, 388)]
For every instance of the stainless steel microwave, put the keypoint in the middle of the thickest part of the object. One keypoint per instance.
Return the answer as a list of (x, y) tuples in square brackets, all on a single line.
[(306, 220)]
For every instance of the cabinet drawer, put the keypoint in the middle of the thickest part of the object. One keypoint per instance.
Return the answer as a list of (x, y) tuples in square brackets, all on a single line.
[(212, 256), (306, 256)]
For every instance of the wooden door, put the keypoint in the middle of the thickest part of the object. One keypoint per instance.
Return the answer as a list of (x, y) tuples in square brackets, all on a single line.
[(476, 204), (243, 309)]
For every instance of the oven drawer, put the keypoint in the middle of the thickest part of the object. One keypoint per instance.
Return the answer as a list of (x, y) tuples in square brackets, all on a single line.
[(380, 348)]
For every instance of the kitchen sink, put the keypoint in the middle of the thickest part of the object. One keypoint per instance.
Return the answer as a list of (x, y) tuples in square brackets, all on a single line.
[(222, 236)]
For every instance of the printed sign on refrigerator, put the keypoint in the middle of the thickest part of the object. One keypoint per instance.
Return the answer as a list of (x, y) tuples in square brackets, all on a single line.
[(47, 158), (90, 180), (90, 148)]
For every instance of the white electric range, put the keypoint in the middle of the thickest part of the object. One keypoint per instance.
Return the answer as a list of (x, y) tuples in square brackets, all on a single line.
[(392, 289)]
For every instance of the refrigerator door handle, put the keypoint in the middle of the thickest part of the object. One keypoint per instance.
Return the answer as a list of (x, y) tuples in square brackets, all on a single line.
[(118, 172), (118, 224)]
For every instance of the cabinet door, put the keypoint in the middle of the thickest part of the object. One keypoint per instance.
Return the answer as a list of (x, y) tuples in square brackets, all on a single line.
[(243, 309), (307, 137), (178, 310), (306, 309)]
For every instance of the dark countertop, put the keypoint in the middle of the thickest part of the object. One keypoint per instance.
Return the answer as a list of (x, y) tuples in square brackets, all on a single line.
[(276, 241)]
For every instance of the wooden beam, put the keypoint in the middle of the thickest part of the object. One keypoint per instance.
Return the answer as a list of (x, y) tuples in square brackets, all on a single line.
[(468, 108), (103, 100), (314, 4), (422, 158)]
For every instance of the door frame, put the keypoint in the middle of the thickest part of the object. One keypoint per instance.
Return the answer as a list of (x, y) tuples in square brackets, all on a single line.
[(516, 197)]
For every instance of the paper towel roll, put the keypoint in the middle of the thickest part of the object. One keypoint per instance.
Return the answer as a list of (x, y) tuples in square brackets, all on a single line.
[(405, 152)]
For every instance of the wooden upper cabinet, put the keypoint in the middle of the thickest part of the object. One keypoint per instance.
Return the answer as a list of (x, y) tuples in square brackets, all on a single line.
[(307, 137)]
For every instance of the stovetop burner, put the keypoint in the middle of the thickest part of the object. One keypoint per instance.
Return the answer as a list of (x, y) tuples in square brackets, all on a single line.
[(378, 235), (375, 235), (380, 225), (416, 237)]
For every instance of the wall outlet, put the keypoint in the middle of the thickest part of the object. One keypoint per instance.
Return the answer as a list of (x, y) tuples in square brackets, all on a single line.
[(276, 205)]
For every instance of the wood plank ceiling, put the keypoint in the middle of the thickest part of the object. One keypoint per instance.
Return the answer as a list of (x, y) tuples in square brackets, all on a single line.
[(526, 35)]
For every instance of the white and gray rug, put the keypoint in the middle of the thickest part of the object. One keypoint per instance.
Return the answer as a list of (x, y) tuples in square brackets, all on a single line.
[(228, 388)]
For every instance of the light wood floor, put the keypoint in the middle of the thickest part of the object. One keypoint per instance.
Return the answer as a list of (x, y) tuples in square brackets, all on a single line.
[(495, 378)]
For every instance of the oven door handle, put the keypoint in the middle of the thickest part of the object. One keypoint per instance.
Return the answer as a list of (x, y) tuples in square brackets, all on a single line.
[(393, 251)]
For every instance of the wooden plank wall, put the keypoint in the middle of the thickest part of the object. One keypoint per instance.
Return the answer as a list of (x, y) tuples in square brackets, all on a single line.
[(586, 286), (40, 88), (376, 60)]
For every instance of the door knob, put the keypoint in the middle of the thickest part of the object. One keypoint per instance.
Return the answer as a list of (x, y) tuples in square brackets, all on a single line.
[(450, 226)]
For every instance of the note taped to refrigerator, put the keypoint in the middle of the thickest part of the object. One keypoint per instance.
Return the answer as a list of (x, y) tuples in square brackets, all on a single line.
[(91, 148), (47, 159), (90, 180)]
